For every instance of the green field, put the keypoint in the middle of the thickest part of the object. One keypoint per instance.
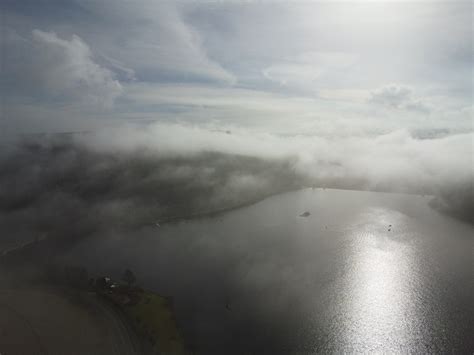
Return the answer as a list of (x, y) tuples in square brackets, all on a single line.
[(155, 319)]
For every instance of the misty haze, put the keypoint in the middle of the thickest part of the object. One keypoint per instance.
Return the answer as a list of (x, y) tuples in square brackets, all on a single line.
[(279, 177)]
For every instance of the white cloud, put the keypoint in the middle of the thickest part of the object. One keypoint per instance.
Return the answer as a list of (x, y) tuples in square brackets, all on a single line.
[(286, 67), (68, 70), (339, 113), (153, 38), (303, 71), (293, 75), (259, 109), (51, 69), (398, 97), (395, 160)]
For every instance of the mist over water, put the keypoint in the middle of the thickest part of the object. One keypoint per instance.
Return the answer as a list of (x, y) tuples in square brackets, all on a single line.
[(263, 279), (74, 186), (365, 271)]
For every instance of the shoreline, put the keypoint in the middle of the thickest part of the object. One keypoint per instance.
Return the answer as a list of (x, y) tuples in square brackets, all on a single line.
[(212, 213)]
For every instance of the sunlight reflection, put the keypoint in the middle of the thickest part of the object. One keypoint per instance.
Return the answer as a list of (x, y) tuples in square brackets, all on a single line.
[(380, 281)]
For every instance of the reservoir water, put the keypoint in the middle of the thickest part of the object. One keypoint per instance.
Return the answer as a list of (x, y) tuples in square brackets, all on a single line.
[(362, 272)]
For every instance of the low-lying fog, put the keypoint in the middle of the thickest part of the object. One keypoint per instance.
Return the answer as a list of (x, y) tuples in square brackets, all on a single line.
[(73, 186), (294, 284)]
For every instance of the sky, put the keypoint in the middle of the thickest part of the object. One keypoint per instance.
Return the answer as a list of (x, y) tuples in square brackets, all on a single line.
[(323, 68)]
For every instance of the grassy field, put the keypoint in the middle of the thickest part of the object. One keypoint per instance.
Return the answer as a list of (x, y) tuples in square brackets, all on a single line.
[(155, 319)]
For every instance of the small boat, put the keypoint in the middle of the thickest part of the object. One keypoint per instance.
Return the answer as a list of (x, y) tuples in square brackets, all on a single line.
[(305, 214)]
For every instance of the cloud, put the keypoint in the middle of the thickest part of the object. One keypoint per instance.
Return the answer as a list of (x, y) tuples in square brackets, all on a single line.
[(293, 74), (281, 67), (103, 192), (153, 38), (303, 72), (58, 70), (71, 71), (86, 185), (330, 113), (397, 96), (395, 161)]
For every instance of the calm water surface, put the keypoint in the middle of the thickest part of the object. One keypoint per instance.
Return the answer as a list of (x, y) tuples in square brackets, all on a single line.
[(364, 272)]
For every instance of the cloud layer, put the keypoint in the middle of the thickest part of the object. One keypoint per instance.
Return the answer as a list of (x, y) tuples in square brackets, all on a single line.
[(398, 97), (277, 65), (83, 185), (102, 193), (43, 65)]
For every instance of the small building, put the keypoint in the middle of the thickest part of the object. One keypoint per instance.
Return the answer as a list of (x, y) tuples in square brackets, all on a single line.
[(104, 283)]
